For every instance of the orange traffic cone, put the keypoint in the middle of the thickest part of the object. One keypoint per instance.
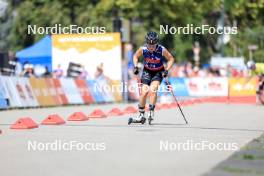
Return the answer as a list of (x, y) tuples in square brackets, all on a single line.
[(115, 112), (129, 110), (158, 107), (78, 116), (53, 119), (97, 113), (165, 106), (24, 123)]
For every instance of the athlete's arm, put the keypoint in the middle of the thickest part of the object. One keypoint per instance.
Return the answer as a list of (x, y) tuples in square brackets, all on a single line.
[(136, 56), (169, 58)]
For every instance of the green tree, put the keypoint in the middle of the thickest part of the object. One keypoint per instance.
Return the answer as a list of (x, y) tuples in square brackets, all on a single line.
[(144, 15)]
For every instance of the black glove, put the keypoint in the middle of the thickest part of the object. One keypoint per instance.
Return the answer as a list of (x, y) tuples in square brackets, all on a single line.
[(165, 73), (135, 70)]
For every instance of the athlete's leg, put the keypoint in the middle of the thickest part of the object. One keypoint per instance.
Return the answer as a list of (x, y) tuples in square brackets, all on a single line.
[(153, 92), (145, 80), (143, 96), (155, 82), (142, 102), (152, 99)]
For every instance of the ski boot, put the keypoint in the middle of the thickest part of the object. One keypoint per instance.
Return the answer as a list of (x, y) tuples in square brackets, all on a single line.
[(140, 119)]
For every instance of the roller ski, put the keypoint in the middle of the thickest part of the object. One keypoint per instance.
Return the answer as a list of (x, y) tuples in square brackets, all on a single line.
[(140, 119), (151, 116)]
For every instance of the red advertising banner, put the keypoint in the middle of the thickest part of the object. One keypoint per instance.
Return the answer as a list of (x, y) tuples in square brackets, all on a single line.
[(52, 91), (84, 91), (60, 92)]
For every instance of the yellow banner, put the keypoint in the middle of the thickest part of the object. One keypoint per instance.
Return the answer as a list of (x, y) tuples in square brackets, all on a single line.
[(84, 42), (41, 91), (242, 86), (98, 54), (117, 89)]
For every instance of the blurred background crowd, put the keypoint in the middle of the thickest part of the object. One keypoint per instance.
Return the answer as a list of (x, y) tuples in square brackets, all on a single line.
[(181, 70), (193, 52)]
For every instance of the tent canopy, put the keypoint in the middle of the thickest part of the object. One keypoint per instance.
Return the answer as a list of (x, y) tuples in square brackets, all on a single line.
[(37, 54)]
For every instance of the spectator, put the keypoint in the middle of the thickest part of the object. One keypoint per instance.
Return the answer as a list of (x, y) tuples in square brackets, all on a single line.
[(47, 72), (28, 70), (83, 74), (58, 73), (99, 71)]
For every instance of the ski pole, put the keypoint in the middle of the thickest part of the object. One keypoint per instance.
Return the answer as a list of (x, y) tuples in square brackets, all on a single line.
[(171, 90)]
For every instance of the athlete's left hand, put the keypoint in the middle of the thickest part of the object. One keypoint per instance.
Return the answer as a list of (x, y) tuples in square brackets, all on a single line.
[(165, 73), (135, 70)]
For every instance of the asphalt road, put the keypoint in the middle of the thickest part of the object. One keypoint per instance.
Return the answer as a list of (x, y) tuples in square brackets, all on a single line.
[(113, 148)]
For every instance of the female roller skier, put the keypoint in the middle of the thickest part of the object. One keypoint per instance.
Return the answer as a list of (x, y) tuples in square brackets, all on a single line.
[(154, 71)]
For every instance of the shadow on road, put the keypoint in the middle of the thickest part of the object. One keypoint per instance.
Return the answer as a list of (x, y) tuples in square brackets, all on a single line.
[(155, 125)]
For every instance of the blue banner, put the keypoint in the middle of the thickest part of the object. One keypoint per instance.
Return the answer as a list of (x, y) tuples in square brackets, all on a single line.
[(3, 103), (178, 85), (95, 92)]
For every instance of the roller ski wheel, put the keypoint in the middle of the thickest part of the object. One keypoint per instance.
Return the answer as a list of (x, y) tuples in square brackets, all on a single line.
[(130, 120), (150, 117), (142, 120), (150, 120)]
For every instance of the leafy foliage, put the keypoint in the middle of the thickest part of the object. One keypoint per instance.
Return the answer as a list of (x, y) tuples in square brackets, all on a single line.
[(144, 15)]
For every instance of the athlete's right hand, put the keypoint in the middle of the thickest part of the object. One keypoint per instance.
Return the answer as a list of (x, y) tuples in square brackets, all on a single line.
[(135, 70), (165, 74)]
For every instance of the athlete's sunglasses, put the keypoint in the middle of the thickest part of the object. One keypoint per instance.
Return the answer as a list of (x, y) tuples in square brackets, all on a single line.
[(151, 46)]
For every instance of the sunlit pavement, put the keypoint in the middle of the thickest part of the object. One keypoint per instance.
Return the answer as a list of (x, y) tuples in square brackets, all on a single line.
[(118, 149)]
